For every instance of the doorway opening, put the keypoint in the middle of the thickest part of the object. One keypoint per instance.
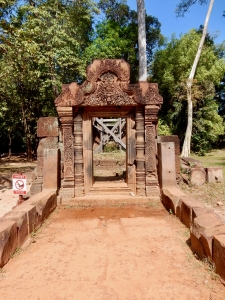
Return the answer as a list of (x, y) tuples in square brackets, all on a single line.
[(109, 149)]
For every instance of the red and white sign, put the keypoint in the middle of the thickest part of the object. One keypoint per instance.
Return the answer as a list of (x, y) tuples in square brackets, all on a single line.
[(19, 184)]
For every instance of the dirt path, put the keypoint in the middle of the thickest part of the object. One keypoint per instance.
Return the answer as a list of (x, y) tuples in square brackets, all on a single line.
[(120, 253)]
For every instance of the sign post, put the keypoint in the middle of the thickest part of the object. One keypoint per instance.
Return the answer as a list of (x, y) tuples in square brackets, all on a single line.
[(19, 182)]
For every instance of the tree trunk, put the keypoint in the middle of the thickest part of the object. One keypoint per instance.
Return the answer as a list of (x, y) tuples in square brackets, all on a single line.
[(186, 149), (142, 41), (10, 144)]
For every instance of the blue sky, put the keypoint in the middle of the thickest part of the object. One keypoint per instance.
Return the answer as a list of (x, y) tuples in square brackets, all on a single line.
[(164, 11)]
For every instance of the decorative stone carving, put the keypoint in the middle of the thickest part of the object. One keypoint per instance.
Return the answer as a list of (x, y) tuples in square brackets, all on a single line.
[(140, 150), (71, 95), (108, 92), (78, 150), (116, 66)]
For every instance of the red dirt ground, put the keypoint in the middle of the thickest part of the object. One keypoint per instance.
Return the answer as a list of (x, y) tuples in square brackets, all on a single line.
[(131, 253)]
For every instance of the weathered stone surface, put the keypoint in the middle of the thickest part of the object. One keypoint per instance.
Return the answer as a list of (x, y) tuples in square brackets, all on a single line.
[(21, 219), (200, 225), (40, 164), (214, 175), (8, 240), (30, 176), (31, 214), (166, 164), (198, 211), (47, 143), (36, 187), (219, 254), (51, 169), (170, 198), (206, 221), (198, 176), (175, 139), (187, 204), (207, 238), (45, 202), (47, 127)]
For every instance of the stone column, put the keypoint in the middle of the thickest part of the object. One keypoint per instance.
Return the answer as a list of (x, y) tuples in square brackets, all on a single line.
[(140, 150), (151, 118), (78, 149), (66, 119)]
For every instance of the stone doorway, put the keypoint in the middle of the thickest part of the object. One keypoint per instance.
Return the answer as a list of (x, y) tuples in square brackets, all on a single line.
[(129, 180), (108, 93)]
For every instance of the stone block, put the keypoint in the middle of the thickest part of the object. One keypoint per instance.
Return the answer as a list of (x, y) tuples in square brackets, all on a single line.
[(36, 187), (45, 202), (108, 163), (31, 215), (170, 198), (46, 143), (51, 169), (214, 175), (199, 226), (207, 239), (21, 220), (198, 211), (8, 240), (30, 176), (198, 176), (40, 164), (48, 127), (187, 204), (166, 164), (96, 163), (175, 139), (196, 245), (219, 254)]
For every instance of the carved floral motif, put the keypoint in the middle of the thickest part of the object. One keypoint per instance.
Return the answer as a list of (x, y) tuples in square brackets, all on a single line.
[(108, 92), (68, 152)]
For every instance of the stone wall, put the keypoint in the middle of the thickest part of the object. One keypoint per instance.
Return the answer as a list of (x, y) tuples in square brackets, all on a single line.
[(47, 155), (207, 229), (17, 225)]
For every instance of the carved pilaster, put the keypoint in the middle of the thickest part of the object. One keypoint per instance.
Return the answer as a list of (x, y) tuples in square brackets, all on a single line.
[(151, 118), (78, 149), (140, 150), (66, 119)]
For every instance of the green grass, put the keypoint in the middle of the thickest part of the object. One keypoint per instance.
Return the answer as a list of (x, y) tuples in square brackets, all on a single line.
[(215, 158)]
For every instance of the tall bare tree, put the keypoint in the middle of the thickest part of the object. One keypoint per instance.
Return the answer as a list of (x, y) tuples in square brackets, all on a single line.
[(186, 149), (142, 41)]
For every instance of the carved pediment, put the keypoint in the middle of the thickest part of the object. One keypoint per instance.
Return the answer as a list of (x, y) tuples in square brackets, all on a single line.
[(71, 95), (108, 84)]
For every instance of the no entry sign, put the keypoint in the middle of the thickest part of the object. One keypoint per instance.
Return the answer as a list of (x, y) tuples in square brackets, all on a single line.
[(19, 184)]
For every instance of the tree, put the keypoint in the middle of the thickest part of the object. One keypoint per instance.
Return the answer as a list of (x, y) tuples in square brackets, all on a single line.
[(142, 41), (117, 37), (186, 149), (34, 65), (170, 69)]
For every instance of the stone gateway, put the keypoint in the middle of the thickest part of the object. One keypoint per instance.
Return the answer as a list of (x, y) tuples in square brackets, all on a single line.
[(107, 92)]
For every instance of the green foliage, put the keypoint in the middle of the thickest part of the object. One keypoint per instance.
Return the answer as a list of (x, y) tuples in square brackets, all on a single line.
[(163, 128), (40, 48), (171, 68), (117, 35), (111, 147)]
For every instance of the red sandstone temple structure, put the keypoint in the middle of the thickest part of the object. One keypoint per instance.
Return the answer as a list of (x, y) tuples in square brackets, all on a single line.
[(66, 142)]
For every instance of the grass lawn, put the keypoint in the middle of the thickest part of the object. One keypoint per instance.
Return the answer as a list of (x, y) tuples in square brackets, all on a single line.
[(215, 158)]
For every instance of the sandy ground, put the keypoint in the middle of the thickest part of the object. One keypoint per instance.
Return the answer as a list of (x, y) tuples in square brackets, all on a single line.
[(7, 200), (112, 253)]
